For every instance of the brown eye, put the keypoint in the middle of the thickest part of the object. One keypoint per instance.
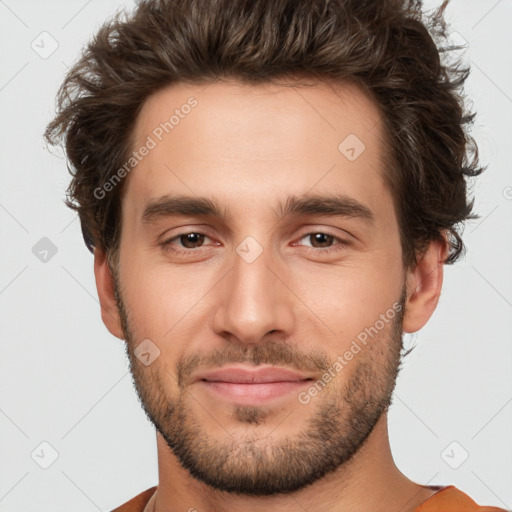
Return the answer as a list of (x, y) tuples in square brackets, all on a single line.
[(189, 240), (324, 242), (320, 240), (185, 242)]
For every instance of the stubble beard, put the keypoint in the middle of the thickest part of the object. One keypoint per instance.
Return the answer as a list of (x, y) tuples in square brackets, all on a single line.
[(344, 415)]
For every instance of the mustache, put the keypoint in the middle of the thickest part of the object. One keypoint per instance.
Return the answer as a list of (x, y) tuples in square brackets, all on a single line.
[(279, 354)]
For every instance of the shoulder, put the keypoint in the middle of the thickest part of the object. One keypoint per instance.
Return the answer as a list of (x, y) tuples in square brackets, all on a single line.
[(137, 503), (451, 499)]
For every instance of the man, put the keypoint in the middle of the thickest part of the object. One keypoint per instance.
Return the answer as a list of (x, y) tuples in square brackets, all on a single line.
[(270, 189)]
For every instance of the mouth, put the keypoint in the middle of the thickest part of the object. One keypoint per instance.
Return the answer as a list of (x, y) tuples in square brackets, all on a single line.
[(246, 385)]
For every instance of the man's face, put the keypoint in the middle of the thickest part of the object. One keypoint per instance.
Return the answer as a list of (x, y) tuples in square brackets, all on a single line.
[(262, 288)]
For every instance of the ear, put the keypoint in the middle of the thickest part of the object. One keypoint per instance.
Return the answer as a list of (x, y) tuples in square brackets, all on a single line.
[(105, 287), (424, 284)]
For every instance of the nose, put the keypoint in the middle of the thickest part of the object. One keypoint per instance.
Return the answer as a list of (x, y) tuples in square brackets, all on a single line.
[(254, 300)]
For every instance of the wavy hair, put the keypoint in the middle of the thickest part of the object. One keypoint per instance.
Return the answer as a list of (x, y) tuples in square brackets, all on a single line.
[(392, 49)]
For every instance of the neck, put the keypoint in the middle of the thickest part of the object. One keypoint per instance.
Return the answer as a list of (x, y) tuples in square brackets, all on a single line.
[(369, 481)]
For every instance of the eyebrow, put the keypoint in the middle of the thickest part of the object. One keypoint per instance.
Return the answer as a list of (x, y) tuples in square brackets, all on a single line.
[(339, 205)]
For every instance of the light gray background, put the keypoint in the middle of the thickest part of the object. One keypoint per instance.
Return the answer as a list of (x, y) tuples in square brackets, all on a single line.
[(64, 379)]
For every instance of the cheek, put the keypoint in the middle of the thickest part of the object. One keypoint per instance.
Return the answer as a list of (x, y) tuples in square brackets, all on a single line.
[(351, 297), (162, 300)]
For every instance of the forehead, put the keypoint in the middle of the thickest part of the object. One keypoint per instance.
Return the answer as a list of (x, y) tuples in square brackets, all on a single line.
[(247, 142)]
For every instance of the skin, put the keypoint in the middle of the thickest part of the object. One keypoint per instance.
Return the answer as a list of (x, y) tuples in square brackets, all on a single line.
[(249, 147)]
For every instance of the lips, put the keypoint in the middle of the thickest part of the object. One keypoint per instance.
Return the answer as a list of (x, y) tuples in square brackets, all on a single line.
[(251, 375), (247, 385)]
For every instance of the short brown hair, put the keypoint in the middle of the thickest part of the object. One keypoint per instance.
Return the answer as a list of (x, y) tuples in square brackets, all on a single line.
[(389, 47)]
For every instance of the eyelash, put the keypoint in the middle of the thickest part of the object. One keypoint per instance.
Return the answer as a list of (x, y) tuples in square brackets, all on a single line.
[(167, 244)]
